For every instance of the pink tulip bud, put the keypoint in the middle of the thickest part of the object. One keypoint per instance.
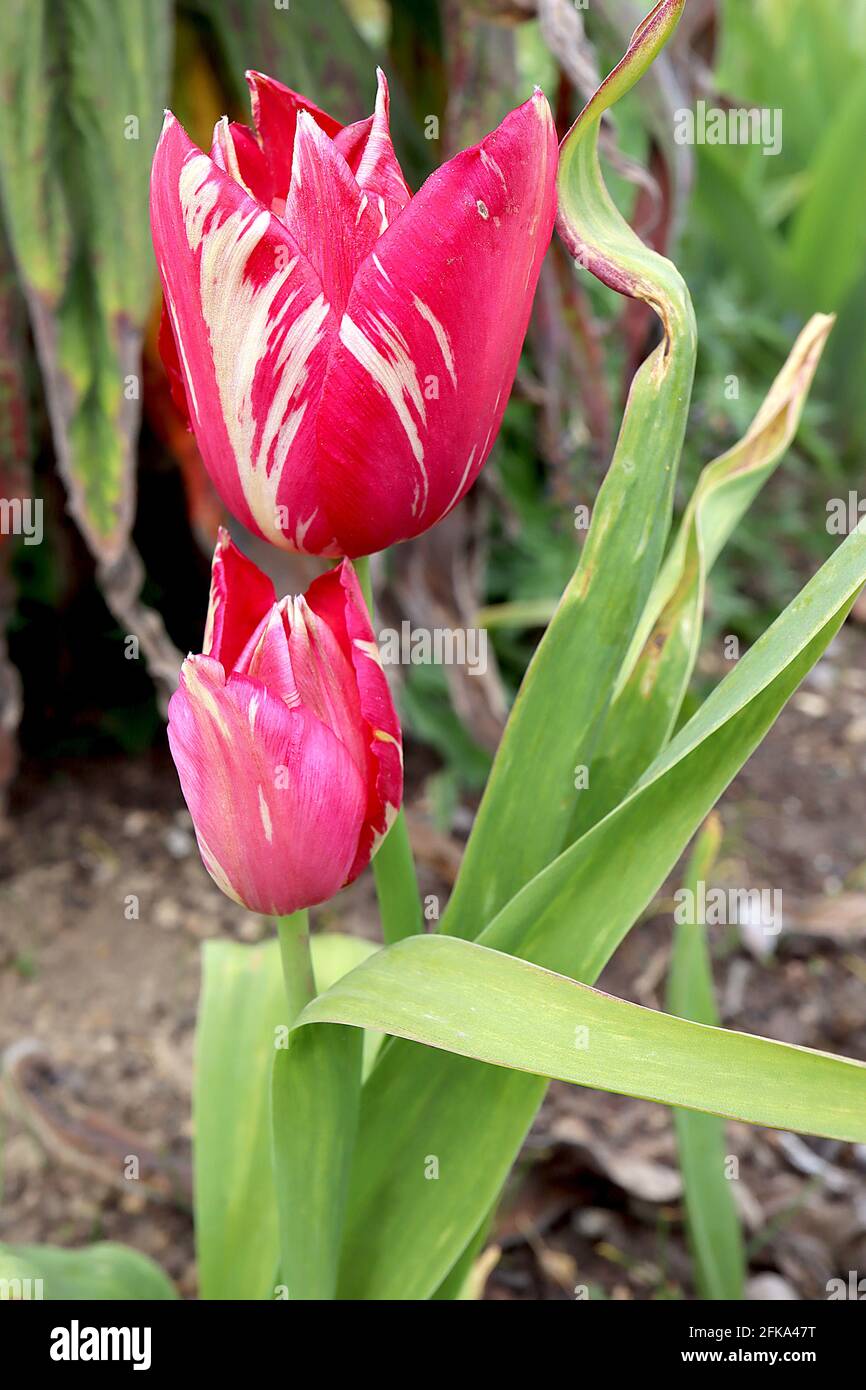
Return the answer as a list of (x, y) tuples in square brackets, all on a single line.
[(346, 350), (285, 737)]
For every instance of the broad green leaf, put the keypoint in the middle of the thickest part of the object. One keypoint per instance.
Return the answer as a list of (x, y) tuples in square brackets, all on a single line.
[(660, 662), (316, 1091), (715, 1236), (564, 695), (242, 1006), (84, 86), (460, 1283), (465, 998), (570, 918), (103, 1272)]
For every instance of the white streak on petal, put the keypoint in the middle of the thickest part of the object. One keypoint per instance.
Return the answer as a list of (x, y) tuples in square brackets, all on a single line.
[(381, 269), (200, 691), (490, 163), (369, 649), (244, 329), (265, 814), (393, 371), (216, 870), (252, 711), (440, 335), (459, 487), (178, 338)]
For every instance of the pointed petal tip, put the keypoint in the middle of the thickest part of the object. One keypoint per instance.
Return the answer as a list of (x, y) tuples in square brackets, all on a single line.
[(383, 93), (169, 119), (541, 104)]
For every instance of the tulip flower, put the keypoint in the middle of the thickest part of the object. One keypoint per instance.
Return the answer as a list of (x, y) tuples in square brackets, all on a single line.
[(346, 349), (285, 737)]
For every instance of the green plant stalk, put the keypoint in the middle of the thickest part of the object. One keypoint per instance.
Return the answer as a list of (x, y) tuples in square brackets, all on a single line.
[(393, 864), (293, 933), (715, 1237)]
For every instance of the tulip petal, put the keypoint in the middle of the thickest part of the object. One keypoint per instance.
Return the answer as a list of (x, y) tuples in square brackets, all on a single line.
[(276, 800), (275, 113), (430, 339), (170, 358), (241, 596), (236, 151), (351, 141), (269, 660), (326, 211), (326, 679), (337, 599), (379, 173), (253, 328)]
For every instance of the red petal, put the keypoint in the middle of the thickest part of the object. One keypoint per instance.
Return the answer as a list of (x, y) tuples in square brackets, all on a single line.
[(275, 112), (351, 141), (253, 329), (275, 798), (240, 598), (430, 340), (167, 348), (378, 172), (336, 597), (267, 658), (236, 150), (327, 212), (326, 679)]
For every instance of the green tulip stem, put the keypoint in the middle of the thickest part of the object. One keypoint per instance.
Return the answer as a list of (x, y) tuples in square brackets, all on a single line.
[(293, 932), (393, 865)]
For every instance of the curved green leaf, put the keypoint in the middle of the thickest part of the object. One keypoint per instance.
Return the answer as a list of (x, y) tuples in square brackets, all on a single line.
[(103, 1272), (465, 998)]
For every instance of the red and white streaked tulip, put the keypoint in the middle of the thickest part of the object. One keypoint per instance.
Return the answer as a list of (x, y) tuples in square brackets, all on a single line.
[(285, 737), (345, 349)]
